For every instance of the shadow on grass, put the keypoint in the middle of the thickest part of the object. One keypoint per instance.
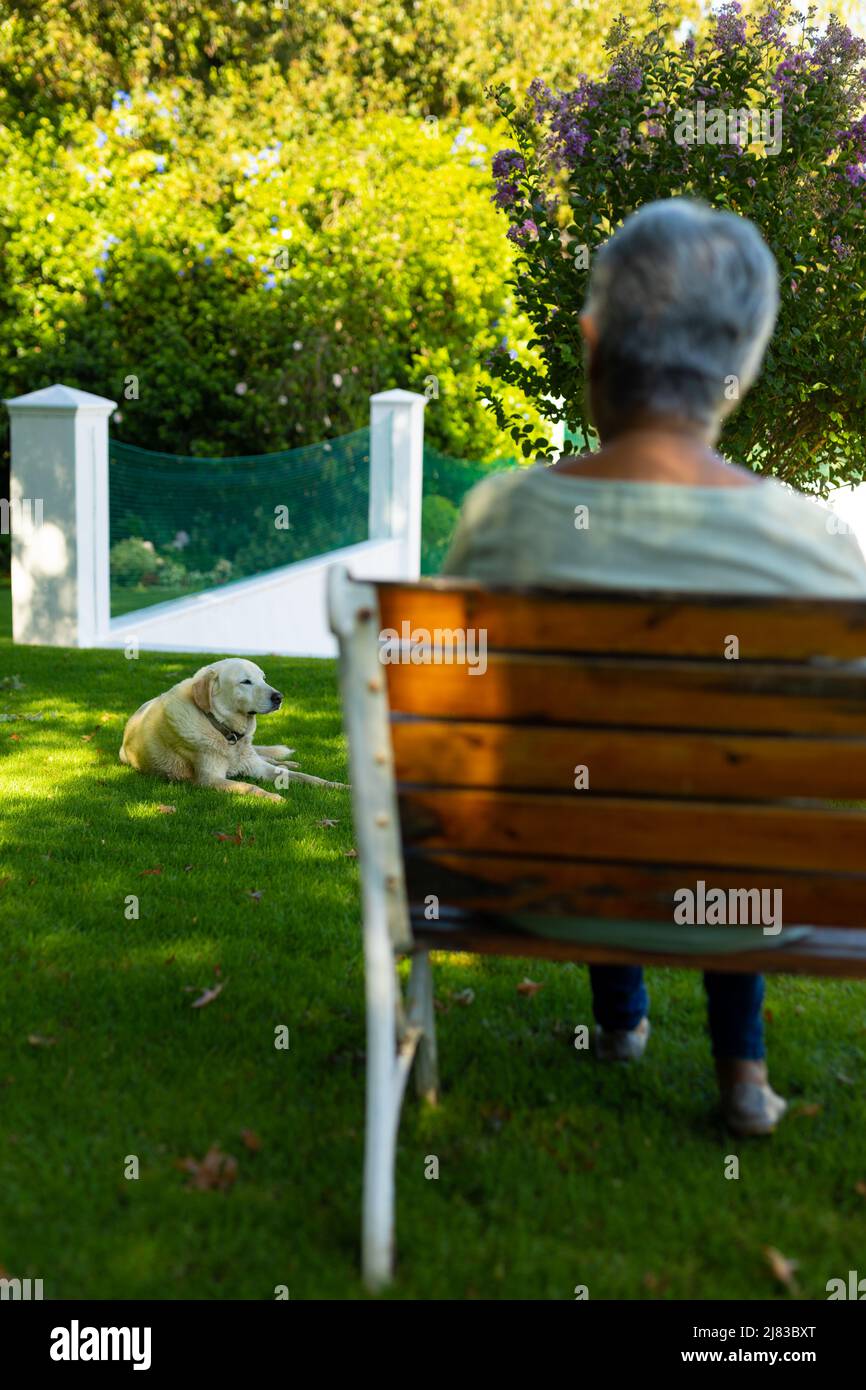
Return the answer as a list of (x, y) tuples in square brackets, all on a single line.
[(553, 1172)]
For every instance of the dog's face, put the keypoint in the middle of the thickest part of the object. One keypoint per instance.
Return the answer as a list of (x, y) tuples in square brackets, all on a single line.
[(234, 687)]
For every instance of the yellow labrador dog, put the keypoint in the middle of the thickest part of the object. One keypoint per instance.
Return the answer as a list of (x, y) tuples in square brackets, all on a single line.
[(202, 731)]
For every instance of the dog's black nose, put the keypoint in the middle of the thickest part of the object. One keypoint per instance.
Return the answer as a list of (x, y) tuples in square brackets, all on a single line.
[(276, 699)]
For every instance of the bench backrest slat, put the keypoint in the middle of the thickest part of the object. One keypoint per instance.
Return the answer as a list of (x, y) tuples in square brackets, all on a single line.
[(697, 764), (650, 624)]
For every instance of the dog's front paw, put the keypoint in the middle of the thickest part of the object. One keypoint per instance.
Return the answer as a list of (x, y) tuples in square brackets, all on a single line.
[(281, 752), (271, 796)]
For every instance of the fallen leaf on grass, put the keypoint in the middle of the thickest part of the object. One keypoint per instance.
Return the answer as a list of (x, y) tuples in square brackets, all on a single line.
[(860, 1187), (350, 854), (145, 872), (846, 1080), (37, 1040), (251, 1140), (236, 839), (166, 810), (215, 1173), (327, 824), (4, 881), (654, 1283), (810, 1110), (256, 895), (208, 996), (463, 996), (187, 868), (782, 1268), (529, 987), (15, 738)]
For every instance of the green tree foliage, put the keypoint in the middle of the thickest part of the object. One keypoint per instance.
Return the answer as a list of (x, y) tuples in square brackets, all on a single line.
[(337, 57), (587, 157), (245, 289)]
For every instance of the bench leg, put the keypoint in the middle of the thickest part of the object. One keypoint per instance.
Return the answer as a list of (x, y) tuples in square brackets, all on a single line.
[(381, 1120), (421, 1008)]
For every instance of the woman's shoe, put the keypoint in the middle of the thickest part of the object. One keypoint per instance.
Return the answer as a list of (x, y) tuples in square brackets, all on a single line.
[(620, 1044), (749, 1103)]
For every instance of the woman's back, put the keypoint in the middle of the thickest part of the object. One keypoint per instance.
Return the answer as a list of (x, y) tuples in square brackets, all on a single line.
[(546, 525)]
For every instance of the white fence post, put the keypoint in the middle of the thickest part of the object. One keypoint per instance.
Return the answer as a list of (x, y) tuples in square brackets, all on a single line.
[(60, 540), (397, 472)]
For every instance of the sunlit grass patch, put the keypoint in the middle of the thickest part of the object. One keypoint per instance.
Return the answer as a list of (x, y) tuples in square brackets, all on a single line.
[(116, 917)]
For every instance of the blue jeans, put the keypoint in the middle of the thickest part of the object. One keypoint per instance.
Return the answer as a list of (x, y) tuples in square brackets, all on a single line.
[(620, 1001)]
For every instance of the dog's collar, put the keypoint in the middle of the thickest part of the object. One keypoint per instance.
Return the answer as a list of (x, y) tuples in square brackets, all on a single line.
[(230, 735)]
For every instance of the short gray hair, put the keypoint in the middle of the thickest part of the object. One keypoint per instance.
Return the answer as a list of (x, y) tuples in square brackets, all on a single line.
[(684, 297)]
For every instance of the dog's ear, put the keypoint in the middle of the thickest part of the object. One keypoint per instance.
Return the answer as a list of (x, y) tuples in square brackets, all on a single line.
[(203, 683)]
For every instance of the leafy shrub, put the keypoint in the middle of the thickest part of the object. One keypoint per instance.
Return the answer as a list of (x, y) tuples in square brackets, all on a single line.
[(585, 158), (438, 519), (244, 287), (134, 561), (335, 57)]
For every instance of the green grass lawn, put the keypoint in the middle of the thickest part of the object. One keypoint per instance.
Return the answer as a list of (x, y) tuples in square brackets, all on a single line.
[(130, 600), (553, 1172)]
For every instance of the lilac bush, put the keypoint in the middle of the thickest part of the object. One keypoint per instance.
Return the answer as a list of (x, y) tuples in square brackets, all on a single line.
[(764, 115)]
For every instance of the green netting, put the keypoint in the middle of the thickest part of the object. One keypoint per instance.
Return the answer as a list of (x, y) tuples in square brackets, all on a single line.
[(178, 525), (446, 482)]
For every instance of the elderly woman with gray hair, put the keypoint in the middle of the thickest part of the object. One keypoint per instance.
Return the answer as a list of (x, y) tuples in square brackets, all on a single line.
[(682, 303)]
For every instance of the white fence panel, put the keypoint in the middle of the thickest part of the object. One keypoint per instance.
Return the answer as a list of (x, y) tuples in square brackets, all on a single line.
[(60, 549)]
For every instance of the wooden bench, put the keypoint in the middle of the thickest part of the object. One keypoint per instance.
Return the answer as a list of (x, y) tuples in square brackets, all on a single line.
[(702, 765)]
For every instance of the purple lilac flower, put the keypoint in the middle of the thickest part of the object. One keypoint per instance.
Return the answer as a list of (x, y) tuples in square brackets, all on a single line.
[(838, 43), (855, 173), (624, 74), (526, 231), (507, 162), (855, 137), (541, 97), (568, 138), (791, 75), (689, 47), (839, 247), (506, 195), (730, 30), (770, 25)]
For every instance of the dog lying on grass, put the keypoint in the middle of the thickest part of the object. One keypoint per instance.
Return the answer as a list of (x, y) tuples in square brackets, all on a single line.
[(202, 731)]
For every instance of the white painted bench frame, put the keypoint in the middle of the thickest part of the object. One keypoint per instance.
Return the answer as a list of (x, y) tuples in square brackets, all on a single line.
[(397, 1034)]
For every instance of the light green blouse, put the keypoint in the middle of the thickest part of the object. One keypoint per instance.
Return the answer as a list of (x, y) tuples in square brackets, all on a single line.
[(539, 526)]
